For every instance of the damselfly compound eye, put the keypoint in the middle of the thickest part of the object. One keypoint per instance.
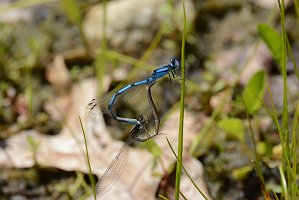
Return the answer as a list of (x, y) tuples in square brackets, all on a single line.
[(142, 119), (174, 63)]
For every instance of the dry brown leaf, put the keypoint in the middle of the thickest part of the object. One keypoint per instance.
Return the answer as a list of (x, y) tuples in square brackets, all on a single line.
[(57, 73), (66, 150), (195, 170)]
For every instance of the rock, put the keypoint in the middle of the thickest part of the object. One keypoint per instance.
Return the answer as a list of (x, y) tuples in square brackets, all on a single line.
[(130, 23), (276, 87), (242, 61), (9, 14), (268, 4)]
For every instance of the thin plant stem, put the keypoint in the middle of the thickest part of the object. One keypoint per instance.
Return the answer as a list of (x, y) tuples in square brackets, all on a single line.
[(88, 162), (101, 60), (256, 157), (283, 183), (190, 178), (182, 106), (184, 197), (162, 197), (294, 151)]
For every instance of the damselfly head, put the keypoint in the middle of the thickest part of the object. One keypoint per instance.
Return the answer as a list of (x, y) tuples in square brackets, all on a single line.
[(175, 65), (142, 119)]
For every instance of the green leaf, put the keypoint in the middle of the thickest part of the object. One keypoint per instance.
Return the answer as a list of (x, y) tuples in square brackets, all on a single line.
[(272, 39), (233, 126), (242, 173), (262, 148), (254, 91), (72, 11)]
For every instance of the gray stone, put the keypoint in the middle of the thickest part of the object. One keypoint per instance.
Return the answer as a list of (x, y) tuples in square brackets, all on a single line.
[(130, 23)]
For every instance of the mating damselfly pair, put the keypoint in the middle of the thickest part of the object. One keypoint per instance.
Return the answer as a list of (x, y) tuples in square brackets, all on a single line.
[(139, 132)]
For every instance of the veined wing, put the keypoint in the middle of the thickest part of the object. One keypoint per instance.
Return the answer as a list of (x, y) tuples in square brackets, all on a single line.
[(100, 105), (115, 168)]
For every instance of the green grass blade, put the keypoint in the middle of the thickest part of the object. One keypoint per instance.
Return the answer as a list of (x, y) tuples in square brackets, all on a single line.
[(283, 184), (296, 3), (284, 72), (293, 59), (280, 132), (294, 151), (182, 106), (184, 197), (256, 157), (72, 11), (285, 130), (101, 61), (88, 162), (162, 197), (190, 178)]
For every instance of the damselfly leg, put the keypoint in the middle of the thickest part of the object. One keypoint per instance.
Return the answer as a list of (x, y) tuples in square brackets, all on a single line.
[(171, 69), (138, 133), (115, 168), (154, 114)]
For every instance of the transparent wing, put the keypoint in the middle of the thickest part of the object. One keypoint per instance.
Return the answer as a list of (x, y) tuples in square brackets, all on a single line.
[(138, 133), (100, 105), (115, 168)]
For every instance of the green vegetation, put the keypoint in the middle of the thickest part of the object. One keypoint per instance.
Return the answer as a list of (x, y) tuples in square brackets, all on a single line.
[(247, 134)]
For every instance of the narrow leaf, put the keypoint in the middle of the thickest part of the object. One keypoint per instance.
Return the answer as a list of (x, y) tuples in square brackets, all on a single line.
[(254, 91), (72, 11), (272, 39), (233, 126)]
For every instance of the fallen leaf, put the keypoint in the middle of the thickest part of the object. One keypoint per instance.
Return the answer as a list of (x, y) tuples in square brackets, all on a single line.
[(66, 150), (57, 73), (196, 171)]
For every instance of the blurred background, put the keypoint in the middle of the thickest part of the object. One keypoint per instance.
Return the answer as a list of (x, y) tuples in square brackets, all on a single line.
[(241, 101)]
